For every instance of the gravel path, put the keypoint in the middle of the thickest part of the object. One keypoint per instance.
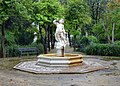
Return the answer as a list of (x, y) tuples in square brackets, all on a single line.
[(107, 77)]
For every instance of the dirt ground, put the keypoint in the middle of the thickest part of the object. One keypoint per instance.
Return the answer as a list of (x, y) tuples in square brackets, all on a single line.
[(12, 77)]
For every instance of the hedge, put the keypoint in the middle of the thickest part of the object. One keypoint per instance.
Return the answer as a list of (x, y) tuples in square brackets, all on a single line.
[(85, 41), (103, 49), (12, 51)]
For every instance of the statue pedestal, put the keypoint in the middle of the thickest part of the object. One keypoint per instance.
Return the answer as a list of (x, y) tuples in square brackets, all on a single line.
[(60, 49), (60, 52)]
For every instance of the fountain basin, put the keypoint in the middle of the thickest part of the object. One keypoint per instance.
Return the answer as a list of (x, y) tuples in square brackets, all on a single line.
[(52, 60)]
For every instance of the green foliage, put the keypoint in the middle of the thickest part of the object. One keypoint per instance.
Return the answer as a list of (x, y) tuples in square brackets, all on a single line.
[(103, 49), (85, 41), (3, 15), (99, 32), (82, 43), (77, 15), (39, 46), (92, 39), (46, 11), (9, 38), (117, 43), (24, 38), (12, 51)]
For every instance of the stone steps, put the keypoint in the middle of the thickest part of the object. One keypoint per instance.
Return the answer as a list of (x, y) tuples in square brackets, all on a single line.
[(54, 61)]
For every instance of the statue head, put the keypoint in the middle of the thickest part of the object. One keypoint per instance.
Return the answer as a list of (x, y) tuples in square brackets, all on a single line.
[(61, 21)]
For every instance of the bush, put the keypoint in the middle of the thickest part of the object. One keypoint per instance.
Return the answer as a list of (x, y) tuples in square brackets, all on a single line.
[(82, 43), (85, 41), (92, 39), (103, 49), (24, 38), (117, 43), (39, 46), (12, 51), (9, 38)]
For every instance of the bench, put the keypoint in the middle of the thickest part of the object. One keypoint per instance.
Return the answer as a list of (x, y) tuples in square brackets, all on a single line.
[(28, 51)]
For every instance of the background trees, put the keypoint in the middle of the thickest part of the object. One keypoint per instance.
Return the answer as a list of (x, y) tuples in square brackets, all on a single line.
[(45, 12), (77, 15), (14, 16), (108, 25)]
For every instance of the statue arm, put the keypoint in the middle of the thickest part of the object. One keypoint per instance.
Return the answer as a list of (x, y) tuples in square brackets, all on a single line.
[(55, 21)]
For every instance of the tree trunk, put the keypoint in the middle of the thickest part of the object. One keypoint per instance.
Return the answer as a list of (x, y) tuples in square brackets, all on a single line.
[(108, 37), (3, 41), (74, 42), (52, 39), (48, 31), (41, 36), (45, 43), (69, 38), (106, 32), (113, 29), (97, 8), (53, 42)]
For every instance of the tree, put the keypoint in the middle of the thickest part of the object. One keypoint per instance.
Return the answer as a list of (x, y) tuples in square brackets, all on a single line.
[(110, 19), (114, 16), (45, 12), (77, 15), (12, 12), (4, 16), (109, 23)]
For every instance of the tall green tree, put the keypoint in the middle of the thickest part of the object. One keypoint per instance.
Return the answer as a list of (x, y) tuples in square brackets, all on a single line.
[(4, 16), (45, 12), (108, 26), (77, 15), (112, 15), (12, 15)]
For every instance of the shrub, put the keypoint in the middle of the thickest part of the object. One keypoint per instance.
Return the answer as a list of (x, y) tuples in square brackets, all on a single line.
[(39, 46), (82, 43), (117, 43), (103, 49), (92, 39), (9, 38), (24, 38), (85, 41), (12, 51)]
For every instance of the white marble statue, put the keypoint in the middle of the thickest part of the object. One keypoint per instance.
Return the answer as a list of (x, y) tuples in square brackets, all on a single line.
[(60, 34)]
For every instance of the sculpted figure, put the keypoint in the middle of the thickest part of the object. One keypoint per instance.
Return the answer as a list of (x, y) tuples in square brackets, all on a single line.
[(60, 34)]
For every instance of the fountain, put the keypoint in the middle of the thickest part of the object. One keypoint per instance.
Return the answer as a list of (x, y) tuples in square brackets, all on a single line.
[(59, 62), (60, 59)]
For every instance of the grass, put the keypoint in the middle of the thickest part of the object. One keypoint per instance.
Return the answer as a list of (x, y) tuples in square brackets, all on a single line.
[(9, 63)]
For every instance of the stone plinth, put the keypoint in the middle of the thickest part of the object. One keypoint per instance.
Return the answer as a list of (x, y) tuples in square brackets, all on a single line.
[(52, 60), (60, 52), (86, 67)]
